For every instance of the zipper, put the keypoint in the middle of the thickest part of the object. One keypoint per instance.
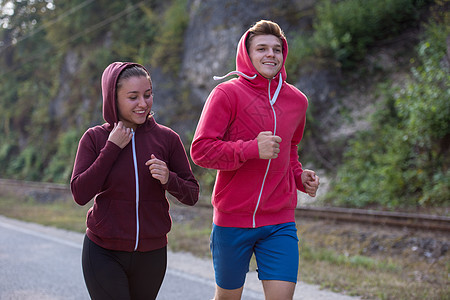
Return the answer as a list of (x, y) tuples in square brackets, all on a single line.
[(272, 102), (137, 188)]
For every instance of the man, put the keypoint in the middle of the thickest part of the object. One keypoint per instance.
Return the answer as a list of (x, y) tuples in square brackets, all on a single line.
[(249, 131)]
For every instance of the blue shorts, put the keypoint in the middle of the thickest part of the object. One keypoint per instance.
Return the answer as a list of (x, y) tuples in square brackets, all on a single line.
[(275, 248)]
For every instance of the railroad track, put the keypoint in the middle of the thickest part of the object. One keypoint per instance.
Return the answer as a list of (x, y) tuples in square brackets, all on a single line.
[(40, 191), (398, 219), (51, 191)]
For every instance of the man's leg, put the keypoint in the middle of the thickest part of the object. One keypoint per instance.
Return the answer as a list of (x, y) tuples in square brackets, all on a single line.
[(223, 294), (278, 290), (231, 249), (277, 257)]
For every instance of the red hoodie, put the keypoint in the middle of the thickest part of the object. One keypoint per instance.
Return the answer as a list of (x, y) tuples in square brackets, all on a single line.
[(249, 191), (130, 211)]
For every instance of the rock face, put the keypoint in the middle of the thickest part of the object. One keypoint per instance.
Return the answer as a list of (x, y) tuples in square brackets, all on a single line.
[(211, 37), (215, 28), (336, 111)]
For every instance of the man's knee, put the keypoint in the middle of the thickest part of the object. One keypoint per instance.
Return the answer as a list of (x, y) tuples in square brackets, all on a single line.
[(224, 294), (278, 290)]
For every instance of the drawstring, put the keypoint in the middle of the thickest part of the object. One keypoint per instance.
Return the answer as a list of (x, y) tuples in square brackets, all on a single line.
[(277, 92), (235, 73)]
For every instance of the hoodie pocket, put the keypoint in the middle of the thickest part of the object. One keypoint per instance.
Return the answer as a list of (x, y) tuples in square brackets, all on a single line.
[(154, 219), (279, 192), (114, 219), (237, 191)]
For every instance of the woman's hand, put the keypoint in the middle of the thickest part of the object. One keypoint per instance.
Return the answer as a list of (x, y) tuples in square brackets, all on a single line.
[(311, 182), (120, 135), (158, 169)]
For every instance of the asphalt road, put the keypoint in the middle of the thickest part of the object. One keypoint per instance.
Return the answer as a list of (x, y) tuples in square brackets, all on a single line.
[(44, 263)]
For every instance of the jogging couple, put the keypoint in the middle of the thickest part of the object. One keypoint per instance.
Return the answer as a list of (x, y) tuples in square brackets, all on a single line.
[(249, 131)]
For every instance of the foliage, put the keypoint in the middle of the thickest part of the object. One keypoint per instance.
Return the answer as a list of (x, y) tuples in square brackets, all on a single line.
[(169, 42), (403, 159), (65, 152), (345, 29), (300, 49), (52, 55)]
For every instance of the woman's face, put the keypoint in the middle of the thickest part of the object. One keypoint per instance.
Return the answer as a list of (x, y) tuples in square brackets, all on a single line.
[(134, 101), (266, 54)]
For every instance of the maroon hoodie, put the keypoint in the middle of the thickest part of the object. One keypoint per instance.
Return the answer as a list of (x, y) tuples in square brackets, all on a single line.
[(130, 211)]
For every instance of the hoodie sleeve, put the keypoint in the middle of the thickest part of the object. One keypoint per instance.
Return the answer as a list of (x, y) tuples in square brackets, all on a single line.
[(182, 183), (210, 149), (90, 168), (296, 166)]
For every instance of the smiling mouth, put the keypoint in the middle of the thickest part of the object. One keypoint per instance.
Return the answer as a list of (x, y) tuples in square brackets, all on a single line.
[(269, 64)]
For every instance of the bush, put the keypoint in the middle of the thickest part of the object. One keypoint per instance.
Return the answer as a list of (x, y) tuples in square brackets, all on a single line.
[(168, 47), (403, 160), (345, 29), (60, 167)]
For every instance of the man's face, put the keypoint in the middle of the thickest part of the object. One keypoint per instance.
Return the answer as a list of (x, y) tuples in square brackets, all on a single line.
[(266, 54)]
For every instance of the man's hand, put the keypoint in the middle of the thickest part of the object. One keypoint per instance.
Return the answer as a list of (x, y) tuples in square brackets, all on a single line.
[(268, 145), (311, 182), (120, 135)]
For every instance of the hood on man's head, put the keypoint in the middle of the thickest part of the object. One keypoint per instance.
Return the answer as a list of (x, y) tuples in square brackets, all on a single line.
[(109, 82), (244, 63)]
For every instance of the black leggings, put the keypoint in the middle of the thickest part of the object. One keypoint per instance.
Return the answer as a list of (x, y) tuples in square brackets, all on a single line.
[(122, 275)]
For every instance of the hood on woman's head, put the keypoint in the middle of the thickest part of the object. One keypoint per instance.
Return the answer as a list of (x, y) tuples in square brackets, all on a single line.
[(109, 83)]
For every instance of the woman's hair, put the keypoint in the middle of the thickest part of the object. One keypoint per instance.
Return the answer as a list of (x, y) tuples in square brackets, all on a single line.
[(132, 71), (129, 72), (264, 27)]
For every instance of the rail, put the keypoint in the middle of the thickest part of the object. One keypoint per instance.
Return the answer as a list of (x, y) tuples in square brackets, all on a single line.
[(408, 220)]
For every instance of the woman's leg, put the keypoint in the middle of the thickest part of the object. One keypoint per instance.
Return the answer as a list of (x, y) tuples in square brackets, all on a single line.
[(104, 275), (146, 274)]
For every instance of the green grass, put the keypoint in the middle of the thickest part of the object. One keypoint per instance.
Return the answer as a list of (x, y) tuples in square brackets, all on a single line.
[(330, 257), (62, 214)]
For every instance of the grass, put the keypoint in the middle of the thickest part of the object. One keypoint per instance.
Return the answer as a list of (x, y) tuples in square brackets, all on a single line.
[(61, 214), (334, 257)]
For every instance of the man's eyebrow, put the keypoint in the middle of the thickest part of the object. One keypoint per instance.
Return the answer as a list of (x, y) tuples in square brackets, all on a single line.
[(266, 45)]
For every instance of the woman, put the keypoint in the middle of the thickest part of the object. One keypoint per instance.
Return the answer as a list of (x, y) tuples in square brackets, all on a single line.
[(126, 165)]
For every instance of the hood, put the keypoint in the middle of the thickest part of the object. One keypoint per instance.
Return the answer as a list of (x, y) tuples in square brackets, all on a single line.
[(109, 81), (245, 68)]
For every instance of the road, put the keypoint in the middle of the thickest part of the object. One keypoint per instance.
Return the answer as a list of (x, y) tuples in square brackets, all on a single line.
[(44, 263)]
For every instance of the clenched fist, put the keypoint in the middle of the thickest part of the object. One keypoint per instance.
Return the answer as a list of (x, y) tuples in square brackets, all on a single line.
[(310, 182), (268, 145), (158, 169)]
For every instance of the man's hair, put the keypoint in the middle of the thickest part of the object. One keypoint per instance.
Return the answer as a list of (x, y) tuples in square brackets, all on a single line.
[(264, 27)]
